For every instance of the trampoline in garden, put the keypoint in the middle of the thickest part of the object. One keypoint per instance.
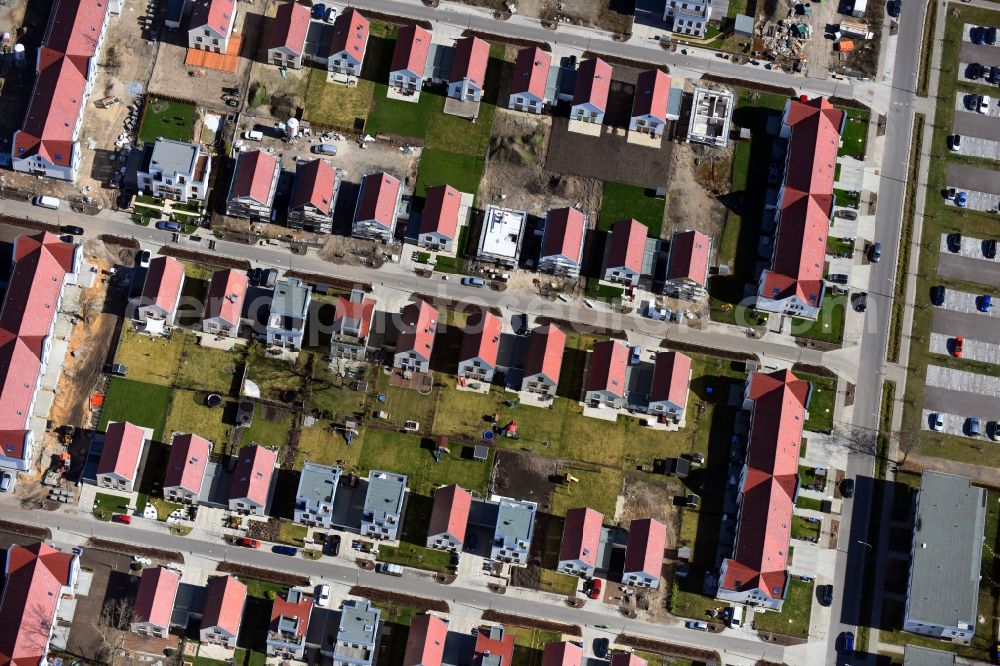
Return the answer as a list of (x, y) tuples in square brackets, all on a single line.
[(488, 435)]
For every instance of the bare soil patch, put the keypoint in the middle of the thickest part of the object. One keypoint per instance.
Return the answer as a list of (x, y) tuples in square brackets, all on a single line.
[(699, 176), (377, 595), (131, 549), (670, 649), (524, 476), (269, 575), (517, 169), (530, 622), (648, 499)]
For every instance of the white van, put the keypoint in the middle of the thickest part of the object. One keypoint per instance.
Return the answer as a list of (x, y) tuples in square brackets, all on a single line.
[(737, 619), (47, 202), (253, 135)]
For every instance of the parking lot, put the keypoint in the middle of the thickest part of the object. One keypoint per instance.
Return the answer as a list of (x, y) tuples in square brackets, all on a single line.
[(975, 146), (976, 350), (968, 247), (954, 266), (957, 424), (970, 123), (968, 102)]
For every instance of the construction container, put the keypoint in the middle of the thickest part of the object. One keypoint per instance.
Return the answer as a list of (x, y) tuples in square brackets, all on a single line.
[(844, 45)]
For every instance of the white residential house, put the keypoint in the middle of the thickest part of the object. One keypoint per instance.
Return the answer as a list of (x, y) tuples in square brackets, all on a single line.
[(382, 513), (316, 493), (689, 17), (211, 25), (286, 322), (531, 75), (161, 294), (514, 530), (120, 456), (347, 48), (255, 182), (468, 69), (174, 170), (224, 305), (480, 348), (377, 207), (352, 321), (409, 59)]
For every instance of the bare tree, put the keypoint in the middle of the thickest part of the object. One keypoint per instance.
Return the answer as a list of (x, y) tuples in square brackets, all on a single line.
[(88, 306), (865, 441), (112, 627)]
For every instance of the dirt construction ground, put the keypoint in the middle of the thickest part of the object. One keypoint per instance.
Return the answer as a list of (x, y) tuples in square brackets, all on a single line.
[(698, 176), (517, 169)]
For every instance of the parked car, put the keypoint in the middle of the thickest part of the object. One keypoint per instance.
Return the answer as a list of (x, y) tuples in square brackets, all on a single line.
[(860, 301), (322, 595), (847, 488), (389, 569), (324, 149), (166, 225), (846, 214), (601, 646), (994, 75), (954, 242), (991, 36), (269, 278), (894, 8), (71, 229), (994, 430), (984, 104), (950, 193), (695, 624), (990, 248), (51, 203), (955, 143), (958, 347), (142, 259), (636, 355), (985, 303), (847, 641), (971, 102), (595, 589), (319, 11), (117, 369), (937, 421), (875, 253), (825, 595), (473, 282), (962, 199), (122, 518), (972, 426), (837, 278), (977, 35), (6, 481), (974, 71), (255, 276), (284, 550), (332, 545), (247, 542)]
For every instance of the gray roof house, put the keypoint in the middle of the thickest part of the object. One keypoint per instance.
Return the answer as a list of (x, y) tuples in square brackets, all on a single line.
[(174, 170), (317, 490), (383, 509), (515, 526), (286, 322), (943, 589), (356, 635), (914, 655)]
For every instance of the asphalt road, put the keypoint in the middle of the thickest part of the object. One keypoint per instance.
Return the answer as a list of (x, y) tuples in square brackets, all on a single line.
[(412, 582), (530, 29), (988, 56), (962, 403), (966, 268), (968, 177), (968, 123), (967, 324), (854, 554)]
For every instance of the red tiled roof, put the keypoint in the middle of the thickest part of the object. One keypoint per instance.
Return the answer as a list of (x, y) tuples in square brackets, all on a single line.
[(224, 604), (652, 92), (163, 283), (481, 338), (627, 659), (689, 257), (187, 462), (644, 551), (593, 81), (122, 449), (290, 27), (671, 377), (281, 607), (628, 242), (608, 363), (226, 293), (764, 528), (315, 183), (154, 602), (379, 194), (412, 46), (581, 535), (545, 352), (451, 512), (346, 308), (562, 654), (441, 211), (252, 476), (255, 171), (425, 641), (419, 321), (350, 34), (806, 203), (564, 229), (26, 318), (35, 576), (471, 56), (503, 647), (216, 14), (71, 41), (531, 72)]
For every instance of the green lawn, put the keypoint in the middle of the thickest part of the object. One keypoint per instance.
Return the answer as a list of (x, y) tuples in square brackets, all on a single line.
[(292, 534), (188, 413), (163, 507), (407, 454), (793, 620), (845, 198), (268, 433), (205, 368), (404, 404), (836, 245), (803, 529), (603, 292), (326, 394), (558, 583), (149, 359), (325, 446), (105, 505), (854, 139), (273, 376), (337, 105), (829, 325), (808, 503), (438, 167), (595, 489), (139, 403), (418, 557), (406, 119), (621, 202), (824, 394), (167, 119)]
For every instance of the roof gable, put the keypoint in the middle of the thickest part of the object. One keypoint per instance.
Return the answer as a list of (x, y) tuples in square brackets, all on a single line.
[(154, 601), (419, 321), (226, 293), (564, 229), (581, 535), (162, 287), (290, 27), (315, 185), (224, 604), (627, 245), (187, 462), (350, 34), (252, 476), (471, 56), (671, 376), (441, 207), (545, 353), (256, 174), (608, 364), (593, 81), (689, 257), (412, 45), (531, 72), (122, 449), (379, 196), (425, 641), (644, 551), (482, 338), (652, 92)]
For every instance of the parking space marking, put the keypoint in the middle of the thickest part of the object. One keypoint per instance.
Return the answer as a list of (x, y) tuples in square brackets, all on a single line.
[(970, 247), (963, 380), (976, 350), (963, 301), (953, 423), (963, 100)]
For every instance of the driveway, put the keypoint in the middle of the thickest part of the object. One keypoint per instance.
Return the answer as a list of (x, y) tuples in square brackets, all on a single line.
[(963, 380), (961, 405), (982, 53), (974, 146), (970, 247)]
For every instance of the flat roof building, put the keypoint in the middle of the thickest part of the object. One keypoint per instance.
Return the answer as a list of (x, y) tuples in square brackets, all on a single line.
[(502, 235), (383, 509), (316, 493), (515, 527), (711, 113)]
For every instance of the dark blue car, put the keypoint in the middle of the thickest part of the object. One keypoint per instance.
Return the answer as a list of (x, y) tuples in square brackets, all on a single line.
[(848, 641), (319, 11), (976, 35), (284, 550)]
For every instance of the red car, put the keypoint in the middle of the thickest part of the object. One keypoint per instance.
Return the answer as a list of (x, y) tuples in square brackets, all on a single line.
[(248, 543), (122, 518), (595, 589), (959, 346)]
